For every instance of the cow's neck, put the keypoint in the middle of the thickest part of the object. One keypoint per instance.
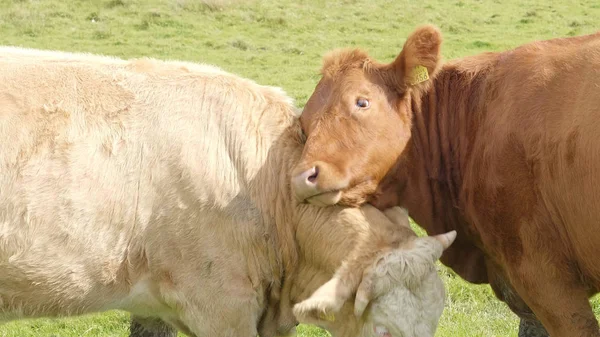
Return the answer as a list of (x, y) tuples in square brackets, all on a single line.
[(270, 190), (445, 120)]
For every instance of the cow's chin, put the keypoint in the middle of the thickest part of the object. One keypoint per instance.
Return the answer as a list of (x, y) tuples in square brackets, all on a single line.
[(358, 194), (352, 197), (326, 199)]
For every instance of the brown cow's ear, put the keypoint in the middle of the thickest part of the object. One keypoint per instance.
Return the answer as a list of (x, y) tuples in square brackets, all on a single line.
[(420, 58)]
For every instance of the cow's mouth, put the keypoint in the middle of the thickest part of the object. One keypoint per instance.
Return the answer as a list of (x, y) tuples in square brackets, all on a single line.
[(325, 199)]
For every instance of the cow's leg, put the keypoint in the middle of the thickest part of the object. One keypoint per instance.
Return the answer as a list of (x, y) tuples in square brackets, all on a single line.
[(231, 322), (529, 325), (532, 328), (230, 310), (564, 312), (150, 327), (555, 294)]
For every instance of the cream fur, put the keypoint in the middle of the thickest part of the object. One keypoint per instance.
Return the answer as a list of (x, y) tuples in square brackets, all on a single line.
[(162, 188)]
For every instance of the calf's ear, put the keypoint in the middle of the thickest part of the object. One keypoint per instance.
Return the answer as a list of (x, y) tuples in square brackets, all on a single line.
[(420, 58), (365, 293), (398, 216), (324, 303), (439, 243)]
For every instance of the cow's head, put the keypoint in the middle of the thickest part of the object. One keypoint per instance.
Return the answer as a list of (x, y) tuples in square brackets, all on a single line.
[(358, 120), (400, 294)]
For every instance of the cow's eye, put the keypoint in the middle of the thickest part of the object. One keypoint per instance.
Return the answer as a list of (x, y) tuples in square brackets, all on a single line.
[(362, 103)]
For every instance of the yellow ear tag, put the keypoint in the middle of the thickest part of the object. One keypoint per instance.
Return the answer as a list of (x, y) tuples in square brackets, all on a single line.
[(328, 317), (419, 74)]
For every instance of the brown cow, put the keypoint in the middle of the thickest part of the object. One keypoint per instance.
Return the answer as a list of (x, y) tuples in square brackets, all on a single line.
[(503, 147)]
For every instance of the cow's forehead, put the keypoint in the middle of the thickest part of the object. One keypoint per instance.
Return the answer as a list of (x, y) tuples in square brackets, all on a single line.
[(406, 310), (337, 62)]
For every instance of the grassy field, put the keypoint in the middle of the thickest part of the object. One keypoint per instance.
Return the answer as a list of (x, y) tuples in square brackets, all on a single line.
[(280, 42)]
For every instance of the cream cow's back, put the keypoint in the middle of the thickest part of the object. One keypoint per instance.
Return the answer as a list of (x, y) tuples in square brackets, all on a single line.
[(105, 161)]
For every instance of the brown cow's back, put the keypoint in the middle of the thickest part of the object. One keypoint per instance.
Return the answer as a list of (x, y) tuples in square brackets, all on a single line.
[(543, 118)]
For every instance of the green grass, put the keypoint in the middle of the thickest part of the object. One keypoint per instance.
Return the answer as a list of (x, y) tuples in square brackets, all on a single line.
[(280, 42)]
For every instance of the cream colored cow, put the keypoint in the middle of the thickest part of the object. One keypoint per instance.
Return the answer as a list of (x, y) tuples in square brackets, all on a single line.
[(162, 188)]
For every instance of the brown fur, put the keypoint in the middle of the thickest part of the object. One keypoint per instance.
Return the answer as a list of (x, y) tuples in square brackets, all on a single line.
[(499, 146)]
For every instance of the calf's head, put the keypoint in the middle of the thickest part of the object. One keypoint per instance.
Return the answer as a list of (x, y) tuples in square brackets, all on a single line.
[(399, 293), (358, 120)]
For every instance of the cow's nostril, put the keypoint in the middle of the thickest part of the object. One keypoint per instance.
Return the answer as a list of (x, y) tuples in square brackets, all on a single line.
[(314, 176)]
